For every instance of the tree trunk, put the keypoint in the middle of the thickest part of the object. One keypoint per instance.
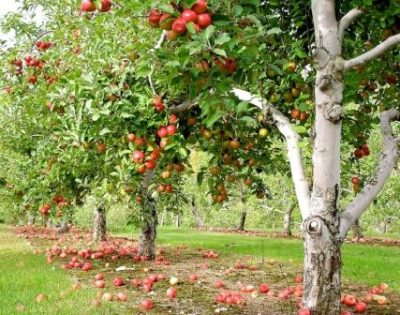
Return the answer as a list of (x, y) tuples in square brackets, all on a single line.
[(162, 223), (63, 227), (322, 261), (99, 224), (287, 221), (178, 220), (31, 220), (147, 239), (242, 220), (49, 224), (357, 231), (198, 221)]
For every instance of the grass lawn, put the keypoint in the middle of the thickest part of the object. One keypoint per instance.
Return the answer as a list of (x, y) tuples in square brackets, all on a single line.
[(369, 264), (24, 276)]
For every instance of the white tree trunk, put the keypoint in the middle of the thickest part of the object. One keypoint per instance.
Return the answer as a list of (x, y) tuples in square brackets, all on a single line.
[(196, 214), (322, 261), (99, 224), (287, 221)]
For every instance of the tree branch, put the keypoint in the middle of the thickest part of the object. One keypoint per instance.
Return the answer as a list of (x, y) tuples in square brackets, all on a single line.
[(373, 53), (346, 21), (387, 162), (294, 152), (183, 107)]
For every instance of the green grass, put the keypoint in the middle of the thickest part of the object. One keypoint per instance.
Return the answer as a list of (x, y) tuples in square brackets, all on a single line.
[(369, 264), (24, 275)]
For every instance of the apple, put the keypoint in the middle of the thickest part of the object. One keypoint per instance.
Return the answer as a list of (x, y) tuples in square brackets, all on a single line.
[(193, 277), (203, 66), (169, 188), (189, 16), (151, 164), (154, 18), (349, 300), (304, 311), (32, 79), (105, 5), (107, 297), (383, 286), (172, 119), (141, 169), (200, 6), (166, 21), (346, 313), (171, 293), (179, 26), (166, 174), (355, 180), (172, 35), (219, 284), (291, 66), (101, 147), (118, 281), (147, 304), (360, 307), (263, 132), (382, 300), (234, 144), (138, 156), (162, 132), (122, 297), (131, 137), (41, 297), (303, 116), (171, 130), (295, 113), (204, 20), (155, 154), (358, 153), (88, 6), (263, 288)]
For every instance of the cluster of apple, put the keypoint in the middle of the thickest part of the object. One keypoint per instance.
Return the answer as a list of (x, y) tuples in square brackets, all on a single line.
[(362, 151), (42, 45), (296, 114), (230, 298), (90, 6), (175, 26), (36, 64), (210, 254), (45, 209), (75, 263), (241, 266)]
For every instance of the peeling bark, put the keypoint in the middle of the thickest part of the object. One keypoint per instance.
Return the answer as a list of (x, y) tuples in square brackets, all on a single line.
[(242, 220), (99, 224), (147, 239)]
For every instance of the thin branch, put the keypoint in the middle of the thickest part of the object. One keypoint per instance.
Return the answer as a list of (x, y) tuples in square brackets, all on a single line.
[(157, 46), (294, 151), (387, 162), (373, 53), (346, 21), (183, 107)]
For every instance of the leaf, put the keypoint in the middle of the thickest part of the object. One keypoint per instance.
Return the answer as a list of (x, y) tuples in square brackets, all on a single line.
[(220, 52), (211, 120), (249, 121), (274, 31), (242, 107), (104, 131), (222, 39)]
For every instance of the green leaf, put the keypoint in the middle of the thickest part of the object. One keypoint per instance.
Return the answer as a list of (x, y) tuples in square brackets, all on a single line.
[(222, 39), (220, 52)]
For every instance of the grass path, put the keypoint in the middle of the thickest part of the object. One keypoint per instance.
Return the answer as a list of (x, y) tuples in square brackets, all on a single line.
[(369, 264)]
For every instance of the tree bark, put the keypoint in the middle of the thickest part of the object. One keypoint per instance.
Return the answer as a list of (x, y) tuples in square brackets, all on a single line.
[(147, 239), (99, 224), (162, 223), (63, 227), (322, 261), (198, 221), (242, 220), (357, 231), (49, 224), (287, 221)]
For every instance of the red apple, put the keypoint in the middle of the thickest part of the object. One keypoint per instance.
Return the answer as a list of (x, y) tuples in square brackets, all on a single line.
[(304, 311), (349, 300), (100, 284), (204, 20), (138, 156), (189, 16), (154, 17), (263, 288), (193, 277), (105, 5), (171, 130), (147, 304), (87, 6), (355, 180), (171, 293), (219, 284), (173, 119), (179, 26), (118, 281), (360, 307), (150, 165), (162, 132), (200, 6), (166, 21)]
